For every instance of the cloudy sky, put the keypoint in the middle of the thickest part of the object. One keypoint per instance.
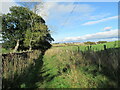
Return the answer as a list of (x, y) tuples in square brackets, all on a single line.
[(78, 21)]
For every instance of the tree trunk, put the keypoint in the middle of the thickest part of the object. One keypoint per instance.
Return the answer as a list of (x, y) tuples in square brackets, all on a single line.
[(17, 45), (30, 47)]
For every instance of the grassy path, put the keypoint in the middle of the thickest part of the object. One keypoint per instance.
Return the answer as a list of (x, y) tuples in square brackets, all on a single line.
[(64, 68)]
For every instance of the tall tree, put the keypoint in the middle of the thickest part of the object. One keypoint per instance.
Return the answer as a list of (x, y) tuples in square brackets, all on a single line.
[(22, 25)]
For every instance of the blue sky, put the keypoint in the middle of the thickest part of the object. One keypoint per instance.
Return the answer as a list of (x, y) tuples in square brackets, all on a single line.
[(96, 19), (81, 21)]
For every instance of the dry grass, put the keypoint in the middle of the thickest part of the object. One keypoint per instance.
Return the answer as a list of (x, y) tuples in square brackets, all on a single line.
[(15, 65)]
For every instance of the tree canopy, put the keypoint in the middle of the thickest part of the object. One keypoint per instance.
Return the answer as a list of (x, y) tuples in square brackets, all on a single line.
[(22, 28)]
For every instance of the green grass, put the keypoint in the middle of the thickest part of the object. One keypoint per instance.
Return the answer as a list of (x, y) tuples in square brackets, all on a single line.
[(82, 76), (97, 47), (5, 50), (65, 67)]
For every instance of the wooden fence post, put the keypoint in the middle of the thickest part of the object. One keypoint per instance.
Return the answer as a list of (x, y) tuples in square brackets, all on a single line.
[(105, 47), (88, 48), (115, 44), (78, 49)]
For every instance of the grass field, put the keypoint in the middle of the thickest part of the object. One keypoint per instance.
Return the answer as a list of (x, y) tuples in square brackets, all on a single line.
[(97, 47)]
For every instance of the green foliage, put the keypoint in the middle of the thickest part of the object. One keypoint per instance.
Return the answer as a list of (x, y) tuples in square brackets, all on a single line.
[(27, 27), (14, 25), (27, 38), (39, 37), (6, 50)]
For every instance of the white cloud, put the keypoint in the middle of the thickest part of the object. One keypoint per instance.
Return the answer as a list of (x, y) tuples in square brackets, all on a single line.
[(98, 16), (61, 0), (81, 8), (109, 39), (44, 10), (77, 0), (102, 20), (6, 0), (58, 10), (99, 35), (6, 5), (107, 28)]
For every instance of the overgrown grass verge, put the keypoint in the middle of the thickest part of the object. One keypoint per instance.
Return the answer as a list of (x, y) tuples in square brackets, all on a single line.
[(19, 69), (66, 68)]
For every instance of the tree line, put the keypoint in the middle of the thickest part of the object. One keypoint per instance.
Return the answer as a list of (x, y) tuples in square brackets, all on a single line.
[(93, 43)]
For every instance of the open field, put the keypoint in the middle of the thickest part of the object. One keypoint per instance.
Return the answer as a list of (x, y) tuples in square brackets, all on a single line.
[(83, 47)]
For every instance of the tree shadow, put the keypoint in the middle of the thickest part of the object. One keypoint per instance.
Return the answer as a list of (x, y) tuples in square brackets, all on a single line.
[(29, 77), (34, 74)]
